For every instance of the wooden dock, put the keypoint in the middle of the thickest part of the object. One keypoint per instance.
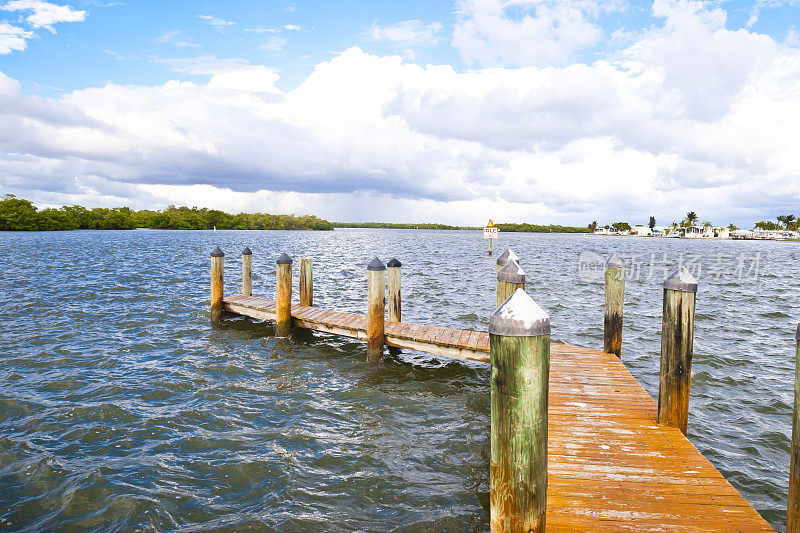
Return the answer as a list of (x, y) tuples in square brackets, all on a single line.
[(611, 466)]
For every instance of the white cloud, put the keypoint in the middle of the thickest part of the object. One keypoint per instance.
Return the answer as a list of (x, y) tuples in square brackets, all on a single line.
[(655, 130), (45, 14), (407, 33), (13, 38), (217, 23), (490, 32), (292, 27), (176, 38), (273, 44)]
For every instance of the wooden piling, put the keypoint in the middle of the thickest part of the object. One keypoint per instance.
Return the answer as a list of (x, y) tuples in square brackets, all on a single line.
[(519, 345), (283, 296), (217, 284), (393, 279), (376, 292), (677, 337), (793, 507), (510, 278), (505, 257), (247, 272), (615, 297), (306, 281)]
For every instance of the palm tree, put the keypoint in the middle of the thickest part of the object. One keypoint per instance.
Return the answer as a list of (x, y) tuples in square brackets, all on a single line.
[(593, 226), (691, 218), (787, 220), (652, 223)]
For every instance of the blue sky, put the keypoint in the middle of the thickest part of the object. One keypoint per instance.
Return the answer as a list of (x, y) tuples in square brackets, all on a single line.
[(531, 110)]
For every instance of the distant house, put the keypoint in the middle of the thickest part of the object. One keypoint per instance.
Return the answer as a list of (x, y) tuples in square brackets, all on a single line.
[(605, 231)]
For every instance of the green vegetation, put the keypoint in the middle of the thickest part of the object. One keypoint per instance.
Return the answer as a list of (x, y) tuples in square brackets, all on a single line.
[(652, 222), (17, 214), (621, 226), (537, 228), (390, 225), (503, 227)]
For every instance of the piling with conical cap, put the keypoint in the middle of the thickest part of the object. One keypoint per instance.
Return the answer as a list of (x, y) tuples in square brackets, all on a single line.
[(519, 345), (506, 257), (509, 278), (615, 297), (793, 507), (376, 292), (393, 281), (306, 281), (283, 296), (247, 272), (217, 284), (677, 339)]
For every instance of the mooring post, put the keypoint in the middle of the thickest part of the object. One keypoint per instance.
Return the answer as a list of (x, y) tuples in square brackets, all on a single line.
[(519, 346), (247, 272), (505, 257), (677, 337), (283, 296), (306, 281), (615, 296), (393, 278), (510, 278), (793, 508), (217, 284), (376, 292)]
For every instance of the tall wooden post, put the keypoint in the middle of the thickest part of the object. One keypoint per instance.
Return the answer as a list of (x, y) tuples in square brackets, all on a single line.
[(510, 278), (519, 345), (615, 296), (306, 281), (505, 257), (283, 296), (247, 272), (793, 514), (376, 292), (677, 337), (393, 278), (217, 284)]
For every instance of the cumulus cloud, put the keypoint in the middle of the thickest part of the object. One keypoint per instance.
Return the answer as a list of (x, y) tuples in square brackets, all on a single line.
[(492, 32), (13, 38), (45, 14), (656, 129), (407, 33)]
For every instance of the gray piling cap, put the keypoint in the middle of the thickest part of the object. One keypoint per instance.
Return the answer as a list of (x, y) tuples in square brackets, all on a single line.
[(394, 263), (511, 273), (284, 260), (376, 265), (217, 252), (614, 261), (797, 335), (247, 251), (507, 257), (681, 280), (519, 316)]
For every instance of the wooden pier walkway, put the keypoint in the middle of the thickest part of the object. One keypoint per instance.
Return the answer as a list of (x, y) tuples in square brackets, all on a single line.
[(611, 467)]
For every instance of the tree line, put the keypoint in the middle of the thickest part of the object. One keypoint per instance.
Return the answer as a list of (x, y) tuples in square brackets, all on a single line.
[(18, 214)]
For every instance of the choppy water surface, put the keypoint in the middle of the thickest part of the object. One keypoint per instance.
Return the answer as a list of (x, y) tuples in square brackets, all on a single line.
[(122, 408)]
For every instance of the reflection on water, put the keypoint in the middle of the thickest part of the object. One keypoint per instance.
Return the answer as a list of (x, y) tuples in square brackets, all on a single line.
[(121, 407)]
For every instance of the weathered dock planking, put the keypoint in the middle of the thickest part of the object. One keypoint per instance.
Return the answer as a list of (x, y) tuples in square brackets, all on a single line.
[(610, 466)]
